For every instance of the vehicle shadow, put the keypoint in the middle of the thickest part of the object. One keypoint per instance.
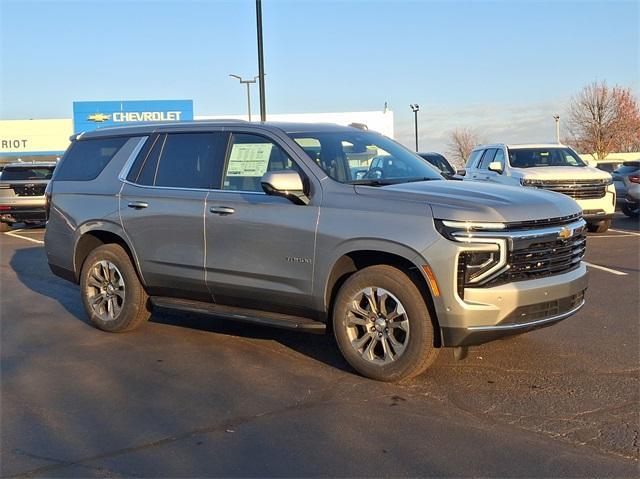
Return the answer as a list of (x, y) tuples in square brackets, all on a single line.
[(29, 264), (320, 347)]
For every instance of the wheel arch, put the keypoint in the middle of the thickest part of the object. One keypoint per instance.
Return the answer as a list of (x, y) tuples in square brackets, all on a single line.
[(92, 235), (355, 260)]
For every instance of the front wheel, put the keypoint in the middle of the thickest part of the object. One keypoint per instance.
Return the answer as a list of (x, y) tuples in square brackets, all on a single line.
[(382, 325), (599, 226), (112, 295), (631, 209)]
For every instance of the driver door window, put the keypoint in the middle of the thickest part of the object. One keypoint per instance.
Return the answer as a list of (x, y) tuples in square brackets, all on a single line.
[(487, 158)]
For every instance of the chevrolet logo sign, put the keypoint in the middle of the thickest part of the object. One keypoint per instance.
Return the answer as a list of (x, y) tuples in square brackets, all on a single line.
[(564, 233), (98, 117)]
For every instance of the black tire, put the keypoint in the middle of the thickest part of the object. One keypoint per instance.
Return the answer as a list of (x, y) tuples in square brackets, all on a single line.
[(4, 227), (631, 210), (134, 306), (599, 226), (419, 351)]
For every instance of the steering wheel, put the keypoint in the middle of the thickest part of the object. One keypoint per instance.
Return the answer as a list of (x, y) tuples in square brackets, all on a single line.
[(374, 173)]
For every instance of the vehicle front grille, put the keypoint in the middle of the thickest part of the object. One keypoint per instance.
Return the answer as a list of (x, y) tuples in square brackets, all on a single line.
[(576, 189), (543, 258), (29, 190), (548, 309)]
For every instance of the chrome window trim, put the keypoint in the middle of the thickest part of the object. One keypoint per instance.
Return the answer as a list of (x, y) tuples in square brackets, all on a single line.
[(529, 323), (132, 157)]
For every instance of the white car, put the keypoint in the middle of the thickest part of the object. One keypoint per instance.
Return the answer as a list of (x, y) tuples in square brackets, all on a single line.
[(552, 167)]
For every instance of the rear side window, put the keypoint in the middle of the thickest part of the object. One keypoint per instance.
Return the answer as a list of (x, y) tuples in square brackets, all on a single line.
[(473, 159), (86, 159), (35, 173), (184, 160)]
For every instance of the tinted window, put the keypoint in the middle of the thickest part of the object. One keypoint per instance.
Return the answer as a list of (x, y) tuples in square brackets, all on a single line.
[(147, 174), (184, 160), (250, 157), (626, 169), (439, 162), (21, 173), (538, 157), (86, 159), (487, 158)]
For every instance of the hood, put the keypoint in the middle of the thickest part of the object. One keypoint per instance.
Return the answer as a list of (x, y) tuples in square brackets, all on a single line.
[(478, 201), (560, 173)]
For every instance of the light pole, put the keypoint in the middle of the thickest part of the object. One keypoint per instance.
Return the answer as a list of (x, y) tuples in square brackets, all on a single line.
[(263, 105), (415, 108), (248, 83), (557, 119)]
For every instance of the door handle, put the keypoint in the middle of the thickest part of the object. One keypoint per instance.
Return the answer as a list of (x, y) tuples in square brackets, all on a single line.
[(222, 210), (138, 205)]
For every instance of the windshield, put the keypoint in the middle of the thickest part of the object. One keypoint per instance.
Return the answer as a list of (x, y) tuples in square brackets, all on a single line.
[(438, 161), (537, 157), (364, 158), (22, 173)]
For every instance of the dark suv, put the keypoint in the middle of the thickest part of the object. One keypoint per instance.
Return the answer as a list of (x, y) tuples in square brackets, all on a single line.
[(276, 224)]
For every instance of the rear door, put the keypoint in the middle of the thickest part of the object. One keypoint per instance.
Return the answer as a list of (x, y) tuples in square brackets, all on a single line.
[(471, 168), (260, 248), (483, 166), (162, 210)]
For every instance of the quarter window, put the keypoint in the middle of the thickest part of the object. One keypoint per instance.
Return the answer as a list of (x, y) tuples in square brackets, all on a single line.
[(249, 158), (86, 159)]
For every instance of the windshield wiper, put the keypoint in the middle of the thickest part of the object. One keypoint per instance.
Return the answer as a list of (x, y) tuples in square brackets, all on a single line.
[(374, 182), (390, 181)]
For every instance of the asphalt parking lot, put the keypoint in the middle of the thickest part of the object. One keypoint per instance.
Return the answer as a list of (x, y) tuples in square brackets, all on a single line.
[(190, 395)]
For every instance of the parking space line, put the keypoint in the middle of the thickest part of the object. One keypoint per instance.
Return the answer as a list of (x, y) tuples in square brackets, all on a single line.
[(608, 270), (14, 235), (610, 236), (625, 232)]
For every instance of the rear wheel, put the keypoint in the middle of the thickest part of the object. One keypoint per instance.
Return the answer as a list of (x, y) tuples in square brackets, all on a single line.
[(112, 295), (382, 325), (631, 209), (599, 226)]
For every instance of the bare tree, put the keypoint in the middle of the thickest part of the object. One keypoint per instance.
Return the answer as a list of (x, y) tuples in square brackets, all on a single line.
[(603, 119), (461, 142)]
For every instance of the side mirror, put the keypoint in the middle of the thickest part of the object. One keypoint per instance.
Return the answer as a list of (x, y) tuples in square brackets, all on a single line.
[(461, 172), (495, 166), (285, 183)]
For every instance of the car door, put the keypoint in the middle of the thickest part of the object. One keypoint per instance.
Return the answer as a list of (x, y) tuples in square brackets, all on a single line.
[(260, 248), (482, 173), (494, 176), (162, 210)]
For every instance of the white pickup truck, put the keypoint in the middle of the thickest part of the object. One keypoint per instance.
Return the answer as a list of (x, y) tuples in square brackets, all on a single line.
[(552, 167)]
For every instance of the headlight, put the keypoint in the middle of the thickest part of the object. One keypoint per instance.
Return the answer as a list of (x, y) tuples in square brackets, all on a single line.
[(484, 253)]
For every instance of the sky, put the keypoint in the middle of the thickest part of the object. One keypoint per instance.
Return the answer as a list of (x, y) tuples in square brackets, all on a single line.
[(501, 67)]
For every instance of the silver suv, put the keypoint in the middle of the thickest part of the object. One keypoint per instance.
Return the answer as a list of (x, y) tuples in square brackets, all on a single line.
[(267, 223), (22, 198)]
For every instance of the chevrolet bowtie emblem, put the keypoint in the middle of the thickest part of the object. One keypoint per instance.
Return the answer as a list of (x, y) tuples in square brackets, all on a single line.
[(564, 233), (98, 117)]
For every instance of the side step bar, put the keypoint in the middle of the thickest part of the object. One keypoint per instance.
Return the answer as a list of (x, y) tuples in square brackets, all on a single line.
[(264, 318)]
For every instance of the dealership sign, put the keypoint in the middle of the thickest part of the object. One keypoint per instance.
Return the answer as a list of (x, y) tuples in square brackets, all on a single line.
[(34, 137), (89, 115)]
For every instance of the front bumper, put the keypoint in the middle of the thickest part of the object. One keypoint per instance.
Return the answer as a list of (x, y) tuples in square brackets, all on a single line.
[(491, 313)]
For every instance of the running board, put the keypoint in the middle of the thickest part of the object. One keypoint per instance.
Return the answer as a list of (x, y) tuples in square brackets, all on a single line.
[(264, 318)]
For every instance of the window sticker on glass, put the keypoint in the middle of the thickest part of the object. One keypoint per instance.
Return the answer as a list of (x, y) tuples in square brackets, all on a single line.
[(249, 159)]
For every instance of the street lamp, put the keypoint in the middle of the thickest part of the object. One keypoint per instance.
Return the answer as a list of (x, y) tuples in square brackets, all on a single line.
[(263, 105), (248, 83), (415, 108), (557, 119)]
